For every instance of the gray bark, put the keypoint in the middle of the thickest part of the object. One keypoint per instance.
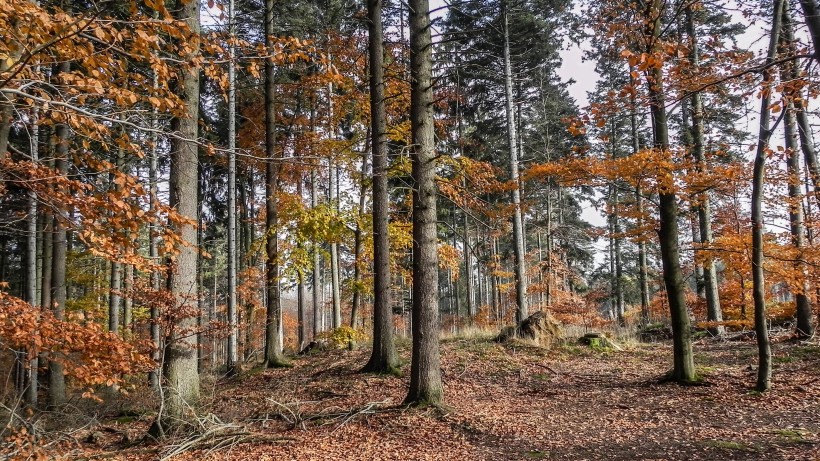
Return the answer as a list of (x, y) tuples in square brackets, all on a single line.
[(59, 294), (181, 387), (704, 207), (31, 267), (518, 219), (797, 127), (764, 371), (233, 347)]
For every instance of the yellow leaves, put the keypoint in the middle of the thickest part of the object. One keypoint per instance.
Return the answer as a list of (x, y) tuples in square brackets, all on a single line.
[(449, 258)]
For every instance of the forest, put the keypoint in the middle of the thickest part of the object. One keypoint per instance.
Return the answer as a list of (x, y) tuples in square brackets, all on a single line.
[(333, 229)]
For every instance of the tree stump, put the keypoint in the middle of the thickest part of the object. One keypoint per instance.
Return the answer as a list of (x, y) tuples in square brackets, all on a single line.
[(538, 327)]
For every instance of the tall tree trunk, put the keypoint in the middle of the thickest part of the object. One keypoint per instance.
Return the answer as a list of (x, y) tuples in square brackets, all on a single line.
[(764, 371), (643, 270), (181, 390), (684, 365), (59, 294), (704, 207), (796, 223), (301, 288), (115, 276), (233, 346), (336, 301), (273, 316), (383, 358), (797, 122), (356, 303), (468, 269), (153, 251), (518, 219), (317, 265), (31, 268), (425, 369)]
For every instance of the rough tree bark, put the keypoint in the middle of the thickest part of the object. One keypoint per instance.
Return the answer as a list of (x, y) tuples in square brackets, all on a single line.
[(383, 358), (273, 312), (425, 369), (181, 386), (518, 221)]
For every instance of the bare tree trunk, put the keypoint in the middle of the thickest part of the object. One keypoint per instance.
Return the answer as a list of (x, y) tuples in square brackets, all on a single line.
[(794, 114), (518, 220), (153, 252), (383, 358), (704, 208), (301, 289), (59, 295), (425, 370), (181, 390), (115, 276), (317, 265), (31, 268), (684, 366), (273, 317), (233, 347), (764, 371)]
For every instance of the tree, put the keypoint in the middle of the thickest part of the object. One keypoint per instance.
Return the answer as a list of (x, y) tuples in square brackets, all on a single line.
[(232, 352), (703, 205), (764, 370), (273, 317), (512, 139), (181, 386), (425, 368), (383, 358)]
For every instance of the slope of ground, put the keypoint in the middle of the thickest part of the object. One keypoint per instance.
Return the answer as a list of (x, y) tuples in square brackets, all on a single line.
[(507, 402)]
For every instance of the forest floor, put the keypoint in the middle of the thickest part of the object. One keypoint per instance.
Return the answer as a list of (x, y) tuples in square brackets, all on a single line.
[(503, 402)]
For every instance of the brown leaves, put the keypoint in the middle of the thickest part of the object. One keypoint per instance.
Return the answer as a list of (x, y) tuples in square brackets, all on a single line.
[(91, 355)]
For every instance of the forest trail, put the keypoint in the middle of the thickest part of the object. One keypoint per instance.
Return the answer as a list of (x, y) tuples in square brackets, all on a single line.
[(519, 402)]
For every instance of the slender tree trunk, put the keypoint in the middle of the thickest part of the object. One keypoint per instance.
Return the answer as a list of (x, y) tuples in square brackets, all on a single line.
[(425, 370), (796, 222), (115, 276), (358, 246), (704, 207), (468, 270), (273, 317), (383, 358), (518, 220), (301, 289), (684, 366), (31, 267), (153, 252), (317, 265), (797, 122), (764, 371), (59, 294), (233, 346)]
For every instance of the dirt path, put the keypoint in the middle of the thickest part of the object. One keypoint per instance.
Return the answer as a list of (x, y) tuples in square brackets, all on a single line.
[(507, 402)]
